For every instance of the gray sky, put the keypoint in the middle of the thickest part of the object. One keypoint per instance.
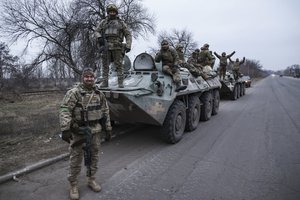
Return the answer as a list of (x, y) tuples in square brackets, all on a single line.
[(263, 30)]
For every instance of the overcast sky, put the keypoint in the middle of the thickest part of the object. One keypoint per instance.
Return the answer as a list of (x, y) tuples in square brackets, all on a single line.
[(263, 30)]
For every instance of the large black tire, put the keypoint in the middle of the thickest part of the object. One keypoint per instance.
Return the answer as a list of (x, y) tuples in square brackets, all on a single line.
[(174, 124), (206, 108), (244, 89), (216, 102), (193, 113), (234, 93), (238, 92)]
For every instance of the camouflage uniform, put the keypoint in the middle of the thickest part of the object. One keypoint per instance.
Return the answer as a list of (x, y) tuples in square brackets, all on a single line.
[(114, 30), (236, 67), (223, 63), (71, 121), (169, 58), (205, 57), (194, 67), (179, 50)]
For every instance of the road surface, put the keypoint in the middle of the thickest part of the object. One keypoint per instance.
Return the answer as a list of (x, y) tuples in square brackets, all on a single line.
[(249, 151)]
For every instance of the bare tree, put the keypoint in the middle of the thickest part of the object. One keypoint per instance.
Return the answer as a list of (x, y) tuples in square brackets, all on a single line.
[(65, 30), (8, 63), (175, 37)]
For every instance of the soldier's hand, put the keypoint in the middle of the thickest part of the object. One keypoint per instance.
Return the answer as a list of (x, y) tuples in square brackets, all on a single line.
[(127, 49), (66, 136)]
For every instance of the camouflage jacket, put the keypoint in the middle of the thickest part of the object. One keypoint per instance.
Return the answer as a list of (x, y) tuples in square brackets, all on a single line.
[(206, 58), (167, 57), (114, 31), (236, 64), (79, 98), (223, 59), (180, 56)]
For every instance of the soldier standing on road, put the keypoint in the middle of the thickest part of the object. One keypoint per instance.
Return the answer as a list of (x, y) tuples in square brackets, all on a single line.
[(169, 58), (223, 63), (84, 98), (236, 67), (112, 31)]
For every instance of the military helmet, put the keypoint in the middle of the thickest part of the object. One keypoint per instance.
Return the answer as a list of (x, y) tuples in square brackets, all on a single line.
[(164, 42), (197, 50), (206, 45), (111, 7)]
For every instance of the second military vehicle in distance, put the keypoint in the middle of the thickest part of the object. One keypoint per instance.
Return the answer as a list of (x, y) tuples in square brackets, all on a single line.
[(233, 88), (149, 97)]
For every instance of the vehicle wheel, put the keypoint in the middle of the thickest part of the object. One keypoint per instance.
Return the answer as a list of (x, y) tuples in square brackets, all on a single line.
[(207, 106), (238, 91), (216, 102), (193, 113), (234, 93), (242, 92), (174, 124)]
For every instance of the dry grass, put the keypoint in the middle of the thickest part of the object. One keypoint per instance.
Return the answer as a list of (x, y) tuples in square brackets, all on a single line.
[(29, 130)]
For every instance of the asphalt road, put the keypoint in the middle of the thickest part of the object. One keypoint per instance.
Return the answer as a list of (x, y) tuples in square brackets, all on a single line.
[(249, 151)]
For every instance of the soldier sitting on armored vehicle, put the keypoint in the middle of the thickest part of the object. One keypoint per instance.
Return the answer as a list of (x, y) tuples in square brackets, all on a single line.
[(194, 67), (206, 59), (169, 58), (223, 63), (236, 67)]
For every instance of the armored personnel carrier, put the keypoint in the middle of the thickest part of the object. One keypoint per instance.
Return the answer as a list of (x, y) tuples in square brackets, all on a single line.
[(150, 97), (233, 88)]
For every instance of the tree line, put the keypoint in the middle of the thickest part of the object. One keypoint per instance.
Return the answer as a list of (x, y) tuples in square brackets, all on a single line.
[(64, 31)]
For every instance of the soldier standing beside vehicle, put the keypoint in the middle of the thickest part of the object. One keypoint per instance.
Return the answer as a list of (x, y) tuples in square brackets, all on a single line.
[(81, 111), (111, 31), (223, 63), (169, 58), (236, 67)]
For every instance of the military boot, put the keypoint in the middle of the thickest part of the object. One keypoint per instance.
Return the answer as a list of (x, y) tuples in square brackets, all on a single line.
[(74, 193), (180, 87), (93, 184)]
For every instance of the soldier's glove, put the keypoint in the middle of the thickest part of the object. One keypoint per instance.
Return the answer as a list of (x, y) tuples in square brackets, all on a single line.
[(66, 136), (101, 41), (127, 49)]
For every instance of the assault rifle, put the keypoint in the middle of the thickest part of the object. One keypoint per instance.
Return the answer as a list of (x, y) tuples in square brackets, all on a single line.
[(87, 141), (103, 43)]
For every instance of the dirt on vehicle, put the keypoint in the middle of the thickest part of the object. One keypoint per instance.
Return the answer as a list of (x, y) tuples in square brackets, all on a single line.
[(29, 128)]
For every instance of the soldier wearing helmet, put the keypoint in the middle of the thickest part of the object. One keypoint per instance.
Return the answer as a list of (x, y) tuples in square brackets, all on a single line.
[(169, 58), (236, 67), (179, 49), (205, 56), (223, 63), (110, 33), (77, 126)]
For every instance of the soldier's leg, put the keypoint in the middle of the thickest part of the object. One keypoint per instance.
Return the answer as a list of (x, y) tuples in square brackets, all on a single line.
[(106, 59), (95, 147), (76, 155), (118, 59), (166, 69)]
